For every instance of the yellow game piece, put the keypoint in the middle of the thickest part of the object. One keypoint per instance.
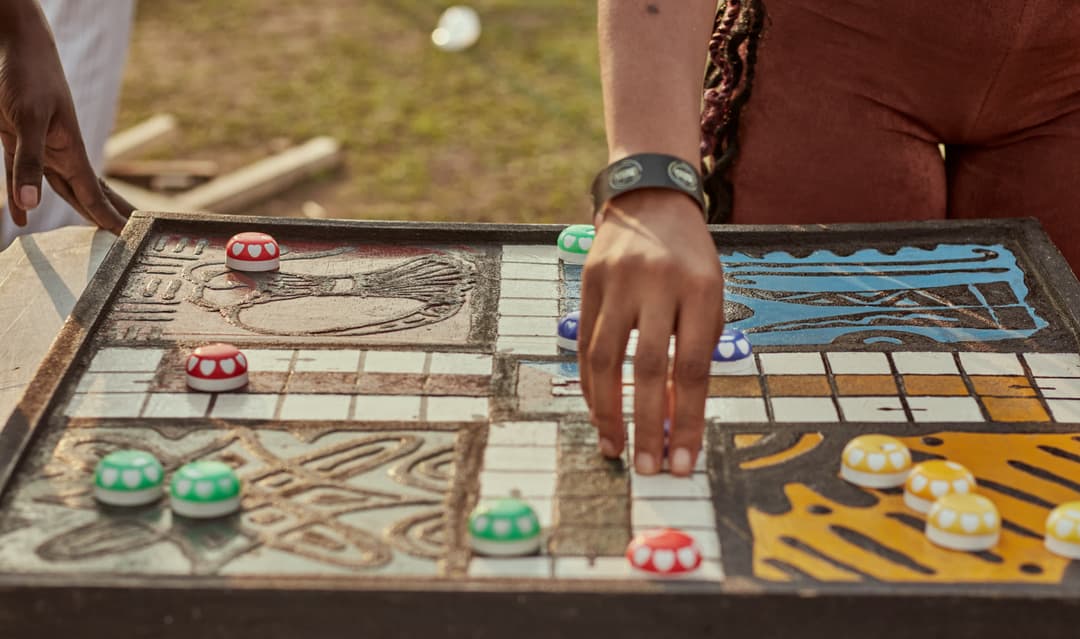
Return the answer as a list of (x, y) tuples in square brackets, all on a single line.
[(875, 461), (932, 480), (964, 522), (1063, 530)]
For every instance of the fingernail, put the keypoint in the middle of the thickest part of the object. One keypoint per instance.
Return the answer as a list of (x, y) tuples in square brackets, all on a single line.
[(646, 465), (607, 448), (28, 196), (680, 461)]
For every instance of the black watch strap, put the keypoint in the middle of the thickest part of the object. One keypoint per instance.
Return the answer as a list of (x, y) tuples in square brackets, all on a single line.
[(647, 171)]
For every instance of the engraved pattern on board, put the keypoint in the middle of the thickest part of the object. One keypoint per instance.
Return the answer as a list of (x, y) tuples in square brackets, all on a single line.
[(284, 527), (317, 501), (180, 287)]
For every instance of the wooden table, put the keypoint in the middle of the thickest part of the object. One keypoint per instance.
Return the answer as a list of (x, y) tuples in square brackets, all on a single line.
[(41, 277)]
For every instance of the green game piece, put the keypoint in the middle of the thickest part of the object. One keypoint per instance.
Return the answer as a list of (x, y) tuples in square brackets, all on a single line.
[(128, 478), (505, 528), (575, 242), (205, 489)]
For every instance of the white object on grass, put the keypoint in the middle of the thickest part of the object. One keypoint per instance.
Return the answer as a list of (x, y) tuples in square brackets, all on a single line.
[(457, 30)]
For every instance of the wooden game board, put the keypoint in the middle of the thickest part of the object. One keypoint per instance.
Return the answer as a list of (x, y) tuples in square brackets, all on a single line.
[(402, 372)]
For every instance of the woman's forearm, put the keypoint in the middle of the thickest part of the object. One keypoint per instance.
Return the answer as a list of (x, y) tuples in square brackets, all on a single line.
[(652, 60)]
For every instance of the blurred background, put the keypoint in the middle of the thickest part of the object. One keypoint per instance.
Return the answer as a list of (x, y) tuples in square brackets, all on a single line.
[(507, 130)]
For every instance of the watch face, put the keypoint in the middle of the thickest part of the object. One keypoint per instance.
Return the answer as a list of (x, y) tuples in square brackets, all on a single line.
[(683, 175), (625, 174)]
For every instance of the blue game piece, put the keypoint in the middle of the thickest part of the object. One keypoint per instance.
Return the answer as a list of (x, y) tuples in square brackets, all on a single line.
[(733, 353), (568, 331)]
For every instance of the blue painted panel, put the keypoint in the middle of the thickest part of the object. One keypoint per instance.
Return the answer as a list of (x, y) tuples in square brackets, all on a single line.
[(953, 293), (949, 294)]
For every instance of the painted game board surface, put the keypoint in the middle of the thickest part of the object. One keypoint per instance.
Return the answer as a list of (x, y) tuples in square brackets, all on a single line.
[(402, 373)]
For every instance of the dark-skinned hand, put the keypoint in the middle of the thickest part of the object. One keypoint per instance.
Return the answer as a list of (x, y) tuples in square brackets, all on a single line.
[(653, 266), (40, 131)]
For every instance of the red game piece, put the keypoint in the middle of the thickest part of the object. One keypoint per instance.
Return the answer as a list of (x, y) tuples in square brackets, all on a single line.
[(252, 252), (217, 368), (667, 552)]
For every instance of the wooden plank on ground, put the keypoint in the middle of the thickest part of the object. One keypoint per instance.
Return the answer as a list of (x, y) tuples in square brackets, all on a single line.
[(142, 199), (245, 187), (128, 169), (140, 138)]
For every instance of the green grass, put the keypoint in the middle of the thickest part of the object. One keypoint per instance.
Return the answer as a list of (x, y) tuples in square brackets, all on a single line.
[(509, 131)]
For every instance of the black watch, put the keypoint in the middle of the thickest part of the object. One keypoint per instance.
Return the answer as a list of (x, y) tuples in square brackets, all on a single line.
[(647, 171)]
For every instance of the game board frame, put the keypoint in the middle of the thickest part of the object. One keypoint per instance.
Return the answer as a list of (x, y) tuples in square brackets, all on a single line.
[(98, 604)]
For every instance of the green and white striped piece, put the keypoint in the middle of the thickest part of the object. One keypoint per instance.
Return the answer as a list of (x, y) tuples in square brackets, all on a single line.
[(128, 478), (205, 489), (575, 242), (505, 528)]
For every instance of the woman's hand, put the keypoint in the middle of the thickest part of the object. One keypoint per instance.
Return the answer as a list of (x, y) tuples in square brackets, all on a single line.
[(654, 267), (39, 129)]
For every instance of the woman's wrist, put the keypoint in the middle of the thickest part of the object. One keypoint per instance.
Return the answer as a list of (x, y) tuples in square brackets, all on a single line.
[(652, 203), (648, 171)]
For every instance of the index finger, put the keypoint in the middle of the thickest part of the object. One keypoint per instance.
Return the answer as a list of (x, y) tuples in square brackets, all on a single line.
[(604, 361), (591, 292), (91, 200), (122, 206), (697, 334)]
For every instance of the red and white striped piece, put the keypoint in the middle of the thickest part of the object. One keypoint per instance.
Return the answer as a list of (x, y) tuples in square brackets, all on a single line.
[(252, 252), (667, 553), (217, 368)]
